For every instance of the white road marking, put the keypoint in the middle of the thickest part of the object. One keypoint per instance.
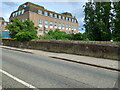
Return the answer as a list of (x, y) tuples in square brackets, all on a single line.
[(18, 80)]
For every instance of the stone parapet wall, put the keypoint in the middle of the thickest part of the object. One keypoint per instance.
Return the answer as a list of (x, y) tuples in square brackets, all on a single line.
[(100, 49)]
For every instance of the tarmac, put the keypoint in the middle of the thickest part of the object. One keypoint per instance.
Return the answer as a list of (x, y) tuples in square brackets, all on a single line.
[(92, 61)]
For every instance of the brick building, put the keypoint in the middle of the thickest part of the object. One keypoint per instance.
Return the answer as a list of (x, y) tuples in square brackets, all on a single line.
[(46, 20), (4, 33), (3, 24)]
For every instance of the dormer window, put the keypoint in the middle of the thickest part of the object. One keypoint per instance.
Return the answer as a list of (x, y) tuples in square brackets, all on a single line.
[(51, 15), (66, 18), (59, 17), (19, 12), (72, 20), (16, 13), (55, 15), (39, 11), (46, 13), (13, 14), (23, 11), (75, 21), (63, 17), (69, 19), (24, 6)]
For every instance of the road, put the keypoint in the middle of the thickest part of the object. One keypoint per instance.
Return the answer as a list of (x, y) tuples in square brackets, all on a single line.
[(46, 72)]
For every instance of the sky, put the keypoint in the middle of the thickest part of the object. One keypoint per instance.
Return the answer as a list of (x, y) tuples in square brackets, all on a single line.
[(76, 8)]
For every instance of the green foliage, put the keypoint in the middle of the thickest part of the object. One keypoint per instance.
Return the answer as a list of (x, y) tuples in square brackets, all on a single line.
[(59, 35), (97, 20), (22, 30), (54, 35), (116, 21)]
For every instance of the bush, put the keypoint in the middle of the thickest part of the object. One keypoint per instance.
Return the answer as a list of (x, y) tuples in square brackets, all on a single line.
[(59, 35), (22, 30)]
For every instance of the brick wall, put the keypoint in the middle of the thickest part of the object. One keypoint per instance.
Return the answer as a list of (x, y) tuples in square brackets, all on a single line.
[(109, 50)]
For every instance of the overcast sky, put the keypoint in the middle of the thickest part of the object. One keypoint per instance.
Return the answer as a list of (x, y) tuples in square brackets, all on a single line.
[(76, 8)]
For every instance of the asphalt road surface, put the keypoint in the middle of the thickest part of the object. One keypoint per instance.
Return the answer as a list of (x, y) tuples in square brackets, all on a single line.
[(45, 72)]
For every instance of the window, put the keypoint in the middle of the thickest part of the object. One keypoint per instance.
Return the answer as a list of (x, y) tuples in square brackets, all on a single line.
[(40, 31), (72, 27), (59, 17), (51, 23), (45, 13), (59, 25), (46, 23), (66, 18), (13, 14), (5, 23), (23, 11), (69, 26), (24, 6), (72, 20), (55, 24), (55, 15), (75, 21), (40, 22), (51, 15), (63, 17), (63, 25), (69, 19), (66, 25), (39, 11), (16, 13), (19, 12), (46, 31)]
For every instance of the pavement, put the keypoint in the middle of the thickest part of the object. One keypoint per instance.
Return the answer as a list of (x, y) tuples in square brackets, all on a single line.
[(92, 61), (21, 69)]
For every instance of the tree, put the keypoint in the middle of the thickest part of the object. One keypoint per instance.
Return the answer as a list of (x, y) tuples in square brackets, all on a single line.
[(59, 35), (116, 21), (97, 20), (89, 20), (22, 30), (77, 36)]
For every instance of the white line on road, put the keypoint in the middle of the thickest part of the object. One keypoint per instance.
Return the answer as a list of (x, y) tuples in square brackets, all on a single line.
[(18, 80)]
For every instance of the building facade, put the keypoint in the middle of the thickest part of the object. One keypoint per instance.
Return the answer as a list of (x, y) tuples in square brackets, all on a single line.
[(3, 24), (4, 33), (46, 20)]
